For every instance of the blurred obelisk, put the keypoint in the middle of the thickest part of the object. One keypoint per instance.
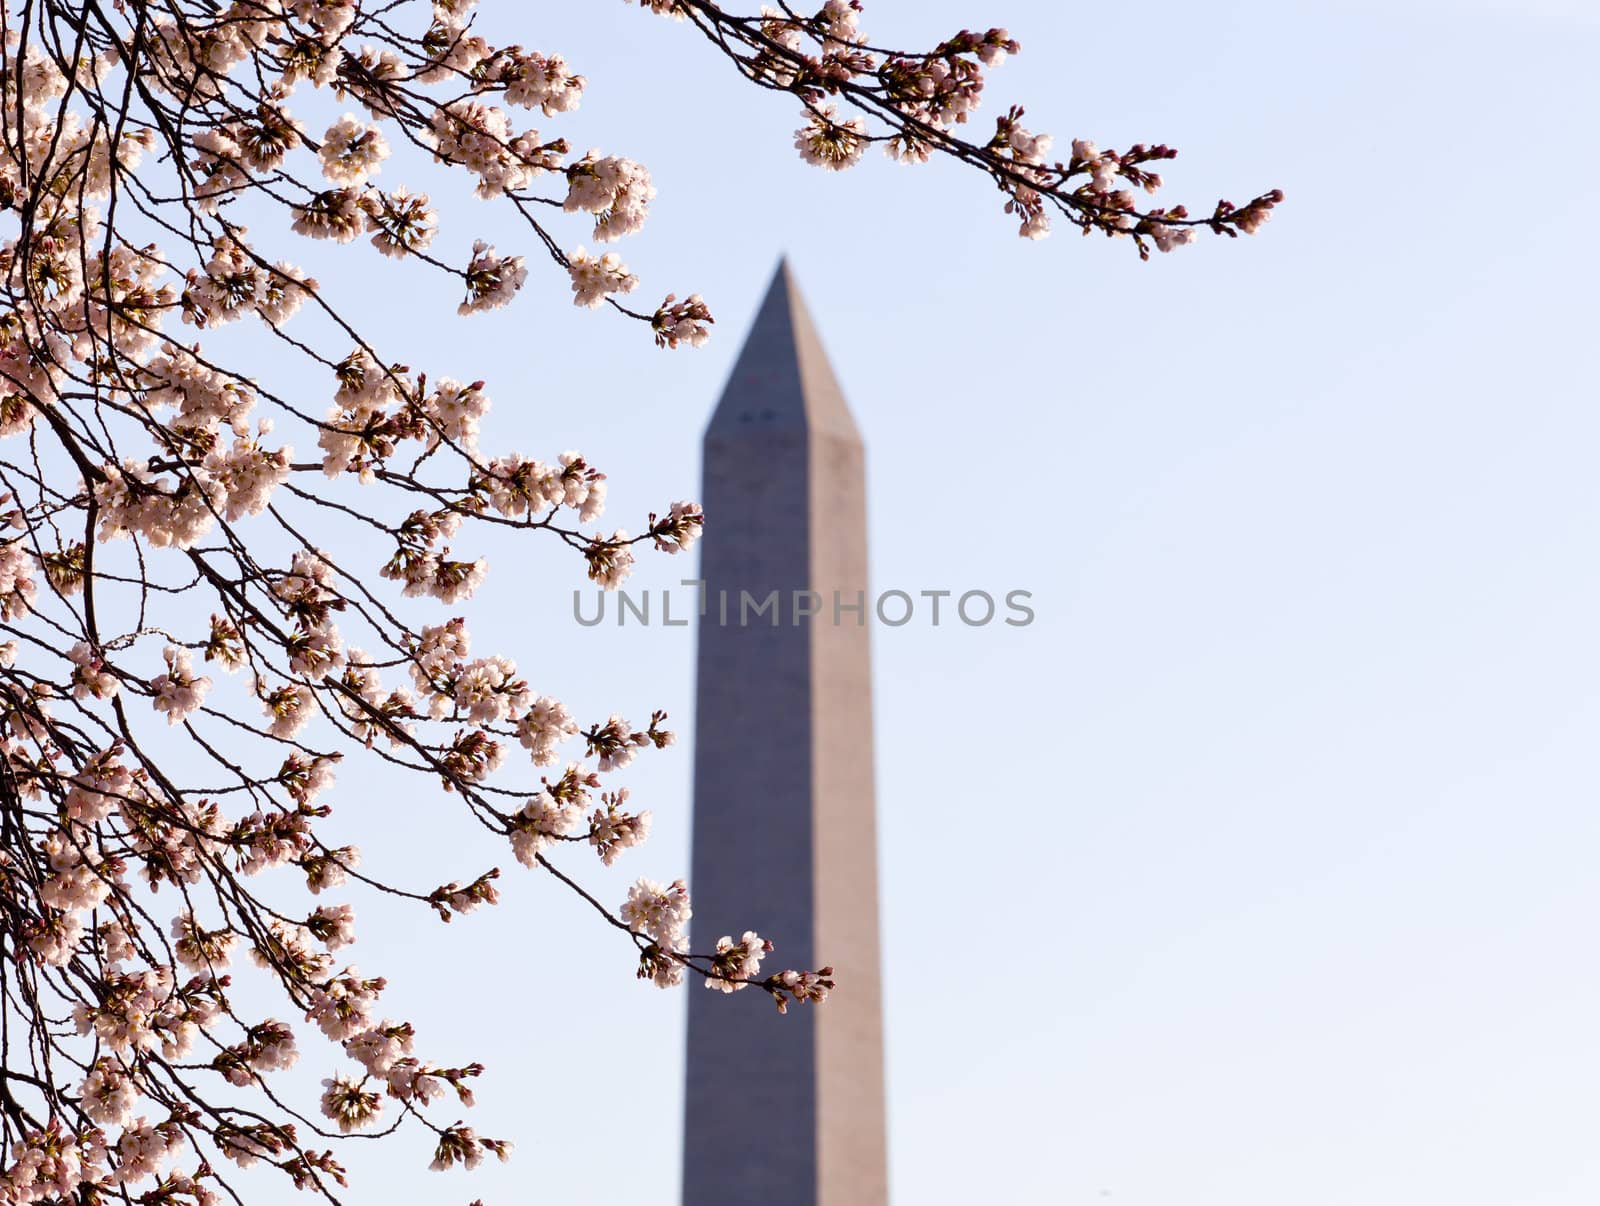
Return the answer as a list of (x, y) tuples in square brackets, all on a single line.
[(785, 1111)]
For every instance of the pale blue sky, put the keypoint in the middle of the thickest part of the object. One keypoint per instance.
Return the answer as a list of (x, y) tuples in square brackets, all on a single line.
[(1261, 868)]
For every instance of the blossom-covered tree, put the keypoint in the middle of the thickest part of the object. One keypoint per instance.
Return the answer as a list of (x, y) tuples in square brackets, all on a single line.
[(184, 666)]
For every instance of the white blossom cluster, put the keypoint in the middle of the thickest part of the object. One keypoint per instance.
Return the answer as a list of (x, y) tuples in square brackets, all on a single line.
[(661, 914)]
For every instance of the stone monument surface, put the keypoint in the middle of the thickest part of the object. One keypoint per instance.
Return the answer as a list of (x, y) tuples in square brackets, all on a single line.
[(785, 1110)]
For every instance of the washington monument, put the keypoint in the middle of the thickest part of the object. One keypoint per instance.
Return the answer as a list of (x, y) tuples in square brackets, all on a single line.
[(786, 1111)]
